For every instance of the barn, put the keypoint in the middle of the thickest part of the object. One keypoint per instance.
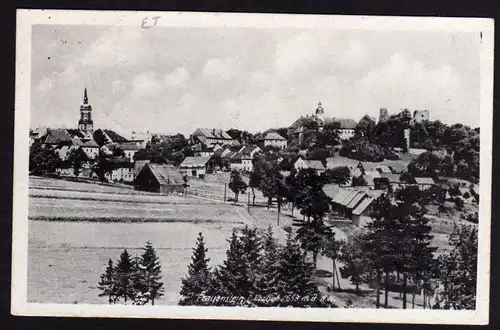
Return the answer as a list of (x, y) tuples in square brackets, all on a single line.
[(160, 178)]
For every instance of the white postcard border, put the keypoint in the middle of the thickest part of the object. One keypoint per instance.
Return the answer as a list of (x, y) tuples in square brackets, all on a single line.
[(27, 18)]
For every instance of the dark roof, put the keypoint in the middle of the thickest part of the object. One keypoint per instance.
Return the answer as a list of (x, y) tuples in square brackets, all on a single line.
[(229, 155), (138, 165), (121, 161), (303, 119), (345, 123), (56, 136), (165, 174), (393, 178), (75, 132), (115, 137), (212, 133)]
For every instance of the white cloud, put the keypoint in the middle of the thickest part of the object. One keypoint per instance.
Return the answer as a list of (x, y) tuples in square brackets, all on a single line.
[(221, 69), (261, 80), (354, 56), (177, 77), (146, 85), (118, 86), (401, 83), (116, 46), (300, 52)]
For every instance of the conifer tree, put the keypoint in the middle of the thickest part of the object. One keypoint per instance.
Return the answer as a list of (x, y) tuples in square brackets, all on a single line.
[(198, 279), (233, 275), (296, 278), (267, 282), (124, 277), (150, 270), (252, 245), (107, 283)]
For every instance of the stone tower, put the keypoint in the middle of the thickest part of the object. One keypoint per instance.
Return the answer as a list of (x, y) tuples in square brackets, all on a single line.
[(383, 115), (85, 124), (420, 116), (320, 113)]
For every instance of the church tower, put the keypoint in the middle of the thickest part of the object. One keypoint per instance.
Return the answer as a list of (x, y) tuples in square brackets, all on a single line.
[(320, 113), (85, 124)]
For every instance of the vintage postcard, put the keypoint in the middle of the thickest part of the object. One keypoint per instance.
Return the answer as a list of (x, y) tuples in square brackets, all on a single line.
[(251, 166)]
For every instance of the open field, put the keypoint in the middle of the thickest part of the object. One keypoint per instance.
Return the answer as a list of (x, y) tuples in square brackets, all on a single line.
[(65, 259)]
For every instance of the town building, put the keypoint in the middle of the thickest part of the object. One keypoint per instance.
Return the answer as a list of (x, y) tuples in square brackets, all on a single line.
[(202, 150), (273, 139), (195, 166), (346, 126), (424, 183), (159, 178), (129, 149), (242, 160), (302, 163), (210, 136)]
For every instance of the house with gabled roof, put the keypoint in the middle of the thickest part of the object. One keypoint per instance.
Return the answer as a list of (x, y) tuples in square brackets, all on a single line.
[(242, 160), (273, 139), (302, 163), (195, 166), (424, 183), (129, 149), (210, 136), (160, 178)]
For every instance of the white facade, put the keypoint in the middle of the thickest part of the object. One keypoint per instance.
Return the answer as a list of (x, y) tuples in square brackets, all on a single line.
[(125, 174), (346, 133), (91, 152), (275, 143), (300, 164), (245, 165)]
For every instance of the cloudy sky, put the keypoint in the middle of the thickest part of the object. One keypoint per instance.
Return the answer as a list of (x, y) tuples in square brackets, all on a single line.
[(173, 80)]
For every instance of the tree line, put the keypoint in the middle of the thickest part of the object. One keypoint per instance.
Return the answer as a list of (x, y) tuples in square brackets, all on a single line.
[(257, 271), (394, 253), (133, 280)]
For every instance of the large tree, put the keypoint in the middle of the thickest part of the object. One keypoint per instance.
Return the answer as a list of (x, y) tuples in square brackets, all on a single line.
[(199, 278), (458, 269), (124, 277), (151, 286), (107, 284), (232, 278), (267, 281), (236, 184), (43, 160), (296, 277)]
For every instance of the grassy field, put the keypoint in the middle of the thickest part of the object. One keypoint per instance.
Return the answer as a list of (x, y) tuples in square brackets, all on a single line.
[(67, 258), (86, 224)]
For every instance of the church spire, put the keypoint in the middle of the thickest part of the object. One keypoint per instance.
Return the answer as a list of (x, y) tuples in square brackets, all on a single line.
[(85, 98)]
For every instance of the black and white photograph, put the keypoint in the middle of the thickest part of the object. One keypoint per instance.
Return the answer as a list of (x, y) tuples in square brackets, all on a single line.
[(253, 166)]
